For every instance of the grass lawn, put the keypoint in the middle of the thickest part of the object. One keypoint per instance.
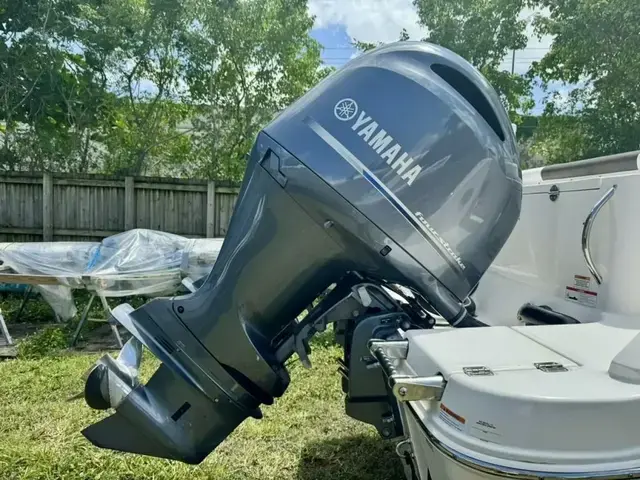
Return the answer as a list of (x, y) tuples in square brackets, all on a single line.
[(306, 435)]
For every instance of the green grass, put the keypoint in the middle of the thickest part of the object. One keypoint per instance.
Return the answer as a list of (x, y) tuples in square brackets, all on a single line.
[(306, 435), (35, 310)]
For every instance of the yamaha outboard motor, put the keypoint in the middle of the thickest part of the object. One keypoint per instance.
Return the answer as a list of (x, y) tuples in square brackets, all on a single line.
[(380, 197)]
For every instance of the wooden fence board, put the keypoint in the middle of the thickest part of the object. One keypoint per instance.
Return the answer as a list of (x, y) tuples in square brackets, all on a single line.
[(91, 207)]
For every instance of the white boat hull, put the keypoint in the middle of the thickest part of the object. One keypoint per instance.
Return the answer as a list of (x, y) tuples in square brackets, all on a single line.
[(559, 419), (551, 390), (432, 463)]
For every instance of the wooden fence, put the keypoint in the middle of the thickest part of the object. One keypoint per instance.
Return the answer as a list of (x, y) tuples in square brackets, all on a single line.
[(58, 207)]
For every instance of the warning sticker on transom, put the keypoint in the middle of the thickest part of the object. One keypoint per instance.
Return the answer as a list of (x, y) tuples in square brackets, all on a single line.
[(581, 281), (485, 430), (451, 418), (581, 296)]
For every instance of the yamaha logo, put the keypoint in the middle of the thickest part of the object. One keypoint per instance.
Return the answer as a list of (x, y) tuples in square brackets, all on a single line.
[(346, 109), (394, 155)]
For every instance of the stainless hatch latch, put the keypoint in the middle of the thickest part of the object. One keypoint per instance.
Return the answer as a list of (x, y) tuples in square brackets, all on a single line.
[(550, 367), (477, 371)]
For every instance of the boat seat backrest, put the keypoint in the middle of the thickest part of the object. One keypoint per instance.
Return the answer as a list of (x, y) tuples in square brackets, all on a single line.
[(625, 366), (531, 314)]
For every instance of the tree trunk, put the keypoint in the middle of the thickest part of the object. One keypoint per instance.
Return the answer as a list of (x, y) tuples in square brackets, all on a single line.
[(84, 153)]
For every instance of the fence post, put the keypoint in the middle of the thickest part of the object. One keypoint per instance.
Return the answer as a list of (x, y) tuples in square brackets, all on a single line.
[(47, 207), (211, 209), (129, 204)]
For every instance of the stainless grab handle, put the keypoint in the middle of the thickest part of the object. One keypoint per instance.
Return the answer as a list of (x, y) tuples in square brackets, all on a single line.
[(586, 232)]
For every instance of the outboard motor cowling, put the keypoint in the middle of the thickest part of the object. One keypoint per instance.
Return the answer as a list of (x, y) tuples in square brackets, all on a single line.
[(402, 167)]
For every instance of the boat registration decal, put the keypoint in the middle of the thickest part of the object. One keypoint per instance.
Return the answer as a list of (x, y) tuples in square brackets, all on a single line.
[(451, 418)]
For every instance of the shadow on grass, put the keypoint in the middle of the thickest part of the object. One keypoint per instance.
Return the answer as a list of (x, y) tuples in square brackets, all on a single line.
[(352, 458)]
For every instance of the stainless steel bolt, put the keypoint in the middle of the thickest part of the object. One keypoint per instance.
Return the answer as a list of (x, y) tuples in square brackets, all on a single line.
[(402, 391)]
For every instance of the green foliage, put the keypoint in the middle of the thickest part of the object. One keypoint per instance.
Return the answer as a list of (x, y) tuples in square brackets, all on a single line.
[(483, 32), (527, 127), (145, 138), (366, 46), (140, 41), (323, 340), (247, 61), (46, 342), (49, 94), (596, 46), (180, 87), (34, 311), (163, 87), (563, 138)]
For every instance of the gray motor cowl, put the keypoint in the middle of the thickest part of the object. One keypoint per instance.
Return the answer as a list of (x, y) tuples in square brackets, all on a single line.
[(417, 140)]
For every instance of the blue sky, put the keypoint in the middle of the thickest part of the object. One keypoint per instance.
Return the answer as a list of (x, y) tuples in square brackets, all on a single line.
[(338, 21)]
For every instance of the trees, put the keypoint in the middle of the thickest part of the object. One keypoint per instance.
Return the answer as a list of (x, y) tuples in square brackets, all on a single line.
[(483, 32), (147, 86), (181, 87), (43, 84), (138, 44), (596, 47), (246, 61)]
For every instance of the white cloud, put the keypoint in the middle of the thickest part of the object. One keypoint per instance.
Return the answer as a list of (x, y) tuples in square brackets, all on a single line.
[(367, 20)]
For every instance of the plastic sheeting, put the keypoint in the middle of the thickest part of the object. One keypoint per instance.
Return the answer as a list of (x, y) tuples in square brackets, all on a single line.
[(136, 262)]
